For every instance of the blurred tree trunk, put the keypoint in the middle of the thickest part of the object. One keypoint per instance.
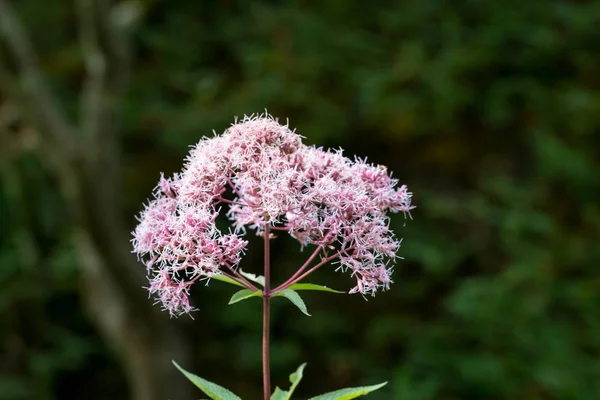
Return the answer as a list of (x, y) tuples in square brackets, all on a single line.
[(86, 165)]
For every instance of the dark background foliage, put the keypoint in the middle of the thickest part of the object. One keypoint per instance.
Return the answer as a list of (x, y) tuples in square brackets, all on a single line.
[(488, 111)]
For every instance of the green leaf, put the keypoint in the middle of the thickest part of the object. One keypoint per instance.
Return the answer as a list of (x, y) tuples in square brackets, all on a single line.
[(254, 278), (226, 279), (212, 390), (279, 394), (348, 393), (312, 286), (295, 379), (294, 298), (243, 295)]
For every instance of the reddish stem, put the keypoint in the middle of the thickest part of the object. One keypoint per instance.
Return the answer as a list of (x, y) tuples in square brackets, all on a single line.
[(227, 201), (304, 275), (237, 192), (241, 277), (302, 268), (266, 317), (228, 275), (280, 228)]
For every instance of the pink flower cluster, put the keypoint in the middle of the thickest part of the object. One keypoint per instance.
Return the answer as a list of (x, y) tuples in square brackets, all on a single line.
[(262, 172)]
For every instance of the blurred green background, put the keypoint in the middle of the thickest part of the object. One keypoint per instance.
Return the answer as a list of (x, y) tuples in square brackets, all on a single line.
[(488, 111)]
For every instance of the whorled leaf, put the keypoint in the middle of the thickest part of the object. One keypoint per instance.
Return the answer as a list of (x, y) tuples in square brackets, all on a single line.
[(212, 390), (294, 298), (279, 394), (254, 278), (226, 279), (349, 393), (295, 379), (312, 286), (243, 295)]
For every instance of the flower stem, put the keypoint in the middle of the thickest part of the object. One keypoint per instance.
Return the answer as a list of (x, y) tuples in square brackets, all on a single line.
[(266, 317), (241, 278), (291, 280)]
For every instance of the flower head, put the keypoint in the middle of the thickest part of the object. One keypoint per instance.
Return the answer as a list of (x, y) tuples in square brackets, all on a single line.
[(264, 175)]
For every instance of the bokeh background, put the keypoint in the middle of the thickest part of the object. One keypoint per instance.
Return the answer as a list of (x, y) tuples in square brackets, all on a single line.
[(488, 110)]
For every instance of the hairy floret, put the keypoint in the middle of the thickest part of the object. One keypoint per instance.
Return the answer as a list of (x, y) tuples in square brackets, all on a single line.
[(262, 173)]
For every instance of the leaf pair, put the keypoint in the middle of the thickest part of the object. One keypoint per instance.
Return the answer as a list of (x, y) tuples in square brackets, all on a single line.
[(342, 394), (289, 293), (237, 282), (216, 392), (292, 295)]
